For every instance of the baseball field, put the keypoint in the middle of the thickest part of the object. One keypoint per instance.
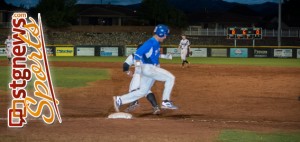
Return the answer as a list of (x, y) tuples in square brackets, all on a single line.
[(219, 100)]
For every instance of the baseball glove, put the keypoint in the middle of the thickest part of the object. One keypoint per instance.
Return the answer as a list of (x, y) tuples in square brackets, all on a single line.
[(191, 53)]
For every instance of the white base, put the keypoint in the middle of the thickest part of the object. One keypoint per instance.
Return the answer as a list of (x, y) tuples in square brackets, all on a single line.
[(120, 115)]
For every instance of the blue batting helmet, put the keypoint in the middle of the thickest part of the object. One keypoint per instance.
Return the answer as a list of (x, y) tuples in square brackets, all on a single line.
[(162, 30)]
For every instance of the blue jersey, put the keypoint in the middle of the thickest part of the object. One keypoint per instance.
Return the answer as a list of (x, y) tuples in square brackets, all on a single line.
[(149, 52)]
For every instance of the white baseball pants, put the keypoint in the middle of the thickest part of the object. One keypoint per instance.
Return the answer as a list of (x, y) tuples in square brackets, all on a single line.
[(183, 54), (150, 73)]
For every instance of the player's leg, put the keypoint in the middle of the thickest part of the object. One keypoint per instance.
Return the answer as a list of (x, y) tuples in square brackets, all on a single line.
[(134, 85), (151, 98), (135, 95), (8, 56), (183, 56), (165, 76)]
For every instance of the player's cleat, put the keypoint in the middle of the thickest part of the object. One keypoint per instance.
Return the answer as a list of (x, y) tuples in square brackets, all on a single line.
[(168, 105), (117, 103), (132, 106), (156, 110)]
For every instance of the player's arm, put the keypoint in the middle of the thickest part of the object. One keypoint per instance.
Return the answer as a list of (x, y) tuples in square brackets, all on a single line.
[(126, 68), (179, 46), (5, 43), (126, 65), (138, 67)]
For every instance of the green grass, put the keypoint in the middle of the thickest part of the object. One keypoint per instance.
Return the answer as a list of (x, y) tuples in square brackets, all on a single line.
[(247, 136), (63, 76), (248, 61), (4, 77), (77, 77), (280, 62)]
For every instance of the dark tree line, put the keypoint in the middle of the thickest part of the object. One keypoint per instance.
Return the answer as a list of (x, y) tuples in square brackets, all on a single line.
[(291, 12), (56, 13), (62, 13), (160, 11)]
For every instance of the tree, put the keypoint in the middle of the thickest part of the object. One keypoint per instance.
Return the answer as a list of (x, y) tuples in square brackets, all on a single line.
[(57, 13), (291, 12), (159, 11)]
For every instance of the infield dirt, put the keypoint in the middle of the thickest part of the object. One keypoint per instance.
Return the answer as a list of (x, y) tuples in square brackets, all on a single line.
[(211, 98)]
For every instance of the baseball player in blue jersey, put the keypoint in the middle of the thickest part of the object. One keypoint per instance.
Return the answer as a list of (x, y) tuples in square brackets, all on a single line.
[(135, 85), (147, 64)]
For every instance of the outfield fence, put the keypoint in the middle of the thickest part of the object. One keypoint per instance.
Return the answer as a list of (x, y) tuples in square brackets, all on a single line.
[(197, 51)]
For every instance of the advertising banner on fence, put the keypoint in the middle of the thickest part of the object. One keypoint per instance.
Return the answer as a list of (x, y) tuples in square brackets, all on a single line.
[(199, 52), (239, 52), (130, 50), (2, 51), (64, 51), (85, 51), (174, 51), (283, 53), (260, 53), (218, 52), (298, 53), (50, 51), (109, 51)]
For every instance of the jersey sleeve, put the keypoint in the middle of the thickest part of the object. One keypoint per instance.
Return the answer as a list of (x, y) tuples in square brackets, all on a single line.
[(129, 60)]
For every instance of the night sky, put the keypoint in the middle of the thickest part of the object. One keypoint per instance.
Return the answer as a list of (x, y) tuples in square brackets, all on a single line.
[(30, 3)]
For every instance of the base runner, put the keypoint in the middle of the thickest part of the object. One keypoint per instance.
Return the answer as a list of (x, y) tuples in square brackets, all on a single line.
[(135, 85), (147, 64)]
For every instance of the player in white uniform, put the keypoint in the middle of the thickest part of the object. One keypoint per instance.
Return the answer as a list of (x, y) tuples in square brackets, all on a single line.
[(147, 64), (135, 85), (184, 45), (9, 45)]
